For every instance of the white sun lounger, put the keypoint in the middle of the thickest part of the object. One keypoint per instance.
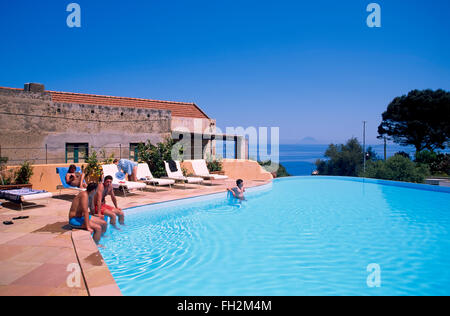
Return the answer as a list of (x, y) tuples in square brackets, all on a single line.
[(145, 175), (35, 197), (201, 170), (111, 170), (178, 175)]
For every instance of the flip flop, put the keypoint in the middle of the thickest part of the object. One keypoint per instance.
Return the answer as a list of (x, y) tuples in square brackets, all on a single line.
[(21, 217), (7, 223)]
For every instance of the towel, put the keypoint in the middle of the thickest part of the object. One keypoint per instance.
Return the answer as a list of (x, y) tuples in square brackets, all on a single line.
[(172, 166), (120, 175)]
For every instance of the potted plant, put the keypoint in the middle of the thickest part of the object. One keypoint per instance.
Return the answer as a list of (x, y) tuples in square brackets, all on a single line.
[(215, 166), (93, 170)]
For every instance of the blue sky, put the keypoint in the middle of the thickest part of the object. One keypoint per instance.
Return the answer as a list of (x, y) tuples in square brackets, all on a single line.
[(313, 68)]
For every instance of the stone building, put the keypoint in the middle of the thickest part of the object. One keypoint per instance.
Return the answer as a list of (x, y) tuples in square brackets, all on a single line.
[(48, 127)]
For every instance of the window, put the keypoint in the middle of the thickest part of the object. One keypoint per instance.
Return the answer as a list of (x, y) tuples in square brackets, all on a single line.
[(134, 149), (77, 153)]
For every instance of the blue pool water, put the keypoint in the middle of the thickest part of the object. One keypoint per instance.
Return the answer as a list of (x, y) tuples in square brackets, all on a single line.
[(297, 236)]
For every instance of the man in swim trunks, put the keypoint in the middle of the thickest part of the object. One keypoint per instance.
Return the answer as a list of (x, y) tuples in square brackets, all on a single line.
[(98, 202), (79, 214), (129, 167), (238, 191), (74, 178)]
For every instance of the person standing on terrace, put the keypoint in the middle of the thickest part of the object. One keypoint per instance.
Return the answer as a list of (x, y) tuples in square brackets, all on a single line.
[(100, 208), (128, 167), (79, 214)]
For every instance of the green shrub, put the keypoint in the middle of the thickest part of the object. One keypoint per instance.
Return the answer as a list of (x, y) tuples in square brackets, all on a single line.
[(3, 161), (107, 160), (23, 175), (441, 166), (397, 168), (343, 160), (155, 155), (426, 157), (277, 168), (93, 170), (438, 163), (214, 164), (6, 176), (403, 154)]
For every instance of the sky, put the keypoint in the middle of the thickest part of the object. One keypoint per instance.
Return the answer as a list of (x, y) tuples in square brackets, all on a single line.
[(312, 68)]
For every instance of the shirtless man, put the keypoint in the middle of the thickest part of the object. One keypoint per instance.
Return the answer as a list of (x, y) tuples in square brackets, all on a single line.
[(74, 178), (238, 191), (79, 214), (99, 203)]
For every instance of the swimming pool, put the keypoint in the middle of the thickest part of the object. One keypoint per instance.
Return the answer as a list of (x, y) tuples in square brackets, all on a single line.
[(296, 236)]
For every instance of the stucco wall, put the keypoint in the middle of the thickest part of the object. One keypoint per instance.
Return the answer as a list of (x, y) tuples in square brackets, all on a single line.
[(45, 177), (32, 120), (238, 169), (245, 169)]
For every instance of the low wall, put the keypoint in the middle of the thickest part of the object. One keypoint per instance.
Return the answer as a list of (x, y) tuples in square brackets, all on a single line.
[(238, 169), (245, 170), (45, 177)]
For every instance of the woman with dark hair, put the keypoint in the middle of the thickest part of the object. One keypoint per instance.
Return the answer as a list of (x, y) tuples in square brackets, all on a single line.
[(74, 178)]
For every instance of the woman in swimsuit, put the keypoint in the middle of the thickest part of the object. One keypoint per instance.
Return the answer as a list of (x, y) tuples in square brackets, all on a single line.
[(74, 178)]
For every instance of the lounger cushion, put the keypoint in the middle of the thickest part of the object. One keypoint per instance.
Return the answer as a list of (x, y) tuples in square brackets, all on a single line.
[(201, 169), (194, 180), (160, 181), (39, 196), (111, 170), (173, 175), (24, 195), (218, 177)]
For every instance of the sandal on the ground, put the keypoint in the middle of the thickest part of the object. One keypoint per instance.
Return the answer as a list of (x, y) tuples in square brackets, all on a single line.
[(21, 217), (7, 223)]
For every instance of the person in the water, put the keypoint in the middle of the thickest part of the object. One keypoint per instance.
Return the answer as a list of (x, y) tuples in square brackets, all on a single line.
[(238, 190)]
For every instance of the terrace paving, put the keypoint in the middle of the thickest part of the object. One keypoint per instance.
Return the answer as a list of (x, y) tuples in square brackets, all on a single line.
[(40, 256)]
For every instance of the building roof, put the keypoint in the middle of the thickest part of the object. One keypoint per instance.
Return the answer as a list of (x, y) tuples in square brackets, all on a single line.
[(178, 109)]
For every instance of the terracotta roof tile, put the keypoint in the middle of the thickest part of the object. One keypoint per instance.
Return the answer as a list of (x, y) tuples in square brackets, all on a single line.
[(179, 109)]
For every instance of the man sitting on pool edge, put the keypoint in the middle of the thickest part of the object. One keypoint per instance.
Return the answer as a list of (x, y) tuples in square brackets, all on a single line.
[(100, 208), (238, 190), (79, 214)]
